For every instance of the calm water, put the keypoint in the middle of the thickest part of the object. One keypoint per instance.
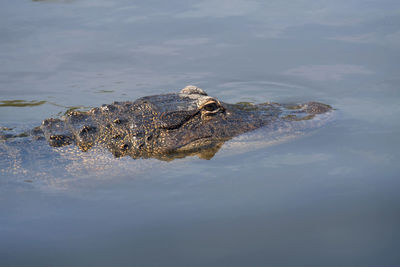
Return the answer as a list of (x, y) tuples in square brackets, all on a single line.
[(326, 199)]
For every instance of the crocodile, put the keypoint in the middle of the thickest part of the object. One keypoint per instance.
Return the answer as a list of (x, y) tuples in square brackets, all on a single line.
[(168, 126)]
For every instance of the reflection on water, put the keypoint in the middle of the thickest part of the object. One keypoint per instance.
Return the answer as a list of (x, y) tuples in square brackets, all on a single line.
[(55, 1), (326, 199), (105, 91), (327, 72)]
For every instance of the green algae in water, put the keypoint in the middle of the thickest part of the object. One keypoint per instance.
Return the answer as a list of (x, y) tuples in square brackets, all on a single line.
[(21, 103)]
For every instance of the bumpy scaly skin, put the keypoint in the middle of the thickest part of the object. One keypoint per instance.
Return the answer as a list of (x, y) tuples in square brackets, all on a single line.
[(170, 125)]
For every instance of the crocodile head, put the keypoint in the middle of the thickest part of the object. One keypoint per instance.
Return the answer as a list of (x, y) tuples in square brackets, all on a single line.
[(191, 122), (171, 125)]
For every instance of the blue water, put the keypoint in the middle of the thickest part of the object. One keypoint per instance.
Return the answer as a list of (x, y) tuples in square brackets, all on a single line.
[(325, 199)]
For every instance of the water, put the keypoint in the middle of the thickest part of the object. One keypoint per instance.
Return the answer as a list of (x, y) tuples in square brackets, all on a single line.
[(326, 199)]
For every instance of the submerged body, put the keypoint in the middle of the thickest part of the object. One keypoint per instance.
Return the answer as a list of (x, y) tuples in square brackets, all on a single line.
[(168, 126)]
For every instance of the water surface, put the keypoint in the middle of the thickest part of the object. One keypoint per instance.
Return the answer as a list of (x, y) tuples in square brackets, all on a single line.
[(325, 199)]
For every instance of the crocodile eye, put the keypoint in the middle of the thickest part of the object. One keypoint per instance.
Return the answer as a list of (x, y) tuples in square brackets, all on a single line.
[(210, 107)]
